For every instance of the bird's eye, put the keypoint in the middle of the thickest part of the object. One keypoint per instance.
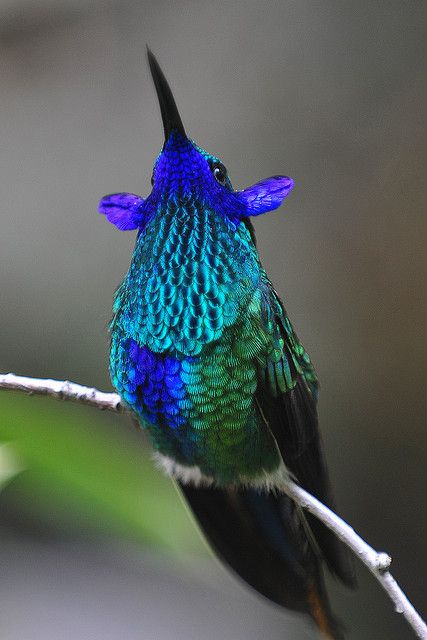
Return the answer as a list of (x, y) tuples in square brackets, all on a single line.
[(220, 173)]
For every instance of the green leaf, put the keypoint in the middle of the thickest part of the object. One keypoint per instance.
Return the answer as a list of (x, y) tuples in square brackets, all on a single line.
[(86, 475)]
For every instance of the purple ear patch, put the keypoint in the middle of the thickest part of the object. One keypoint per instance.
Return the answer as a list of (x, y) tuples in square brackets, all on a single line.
[(124, 210), (265, 195)]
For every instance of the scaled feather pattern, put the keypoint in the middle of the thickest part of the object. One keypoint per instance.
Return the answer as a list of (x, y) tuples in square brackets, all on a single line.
[(197, 325)]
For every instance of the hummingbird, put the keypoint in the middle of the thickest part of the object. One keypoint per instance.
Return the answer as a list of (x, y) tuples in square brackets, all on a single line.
[(205, 356)]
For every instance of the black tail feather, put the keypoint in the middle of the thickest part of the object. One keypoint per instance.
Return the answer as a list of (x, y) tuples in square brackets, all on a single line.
[(262, 538)]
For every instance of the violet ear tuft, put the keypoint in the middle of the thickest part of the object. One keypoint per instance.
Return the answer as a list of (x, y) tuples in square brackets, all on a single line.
[(266, 195), (124, 210)]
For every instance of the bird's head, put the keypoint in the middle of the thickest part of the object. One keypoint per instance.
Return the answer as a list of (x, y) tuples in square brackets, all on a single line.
[(184, 172)]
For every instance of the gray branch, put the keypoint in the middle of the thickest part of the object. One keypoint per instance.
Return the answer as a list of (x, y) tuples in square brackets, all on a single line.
[(62, 390), (378, 563)]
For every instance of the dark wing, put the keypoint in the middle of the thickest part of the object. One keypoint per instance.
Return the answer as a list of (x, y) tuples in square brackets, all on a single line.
[(286, 395), (262, 538)]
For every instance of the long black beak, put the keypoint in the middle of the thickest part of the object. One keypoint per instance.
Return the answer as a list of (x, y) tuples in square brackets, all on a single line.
[(170, 116)]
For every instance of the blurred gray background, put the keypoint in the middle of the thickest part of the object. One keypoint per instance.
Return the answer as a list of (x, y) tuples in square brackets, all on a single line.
[(330, 93)]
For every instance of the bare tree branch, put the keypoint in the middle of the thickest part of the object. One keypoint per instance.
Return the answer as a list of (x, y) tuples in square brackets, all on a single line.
[(62, 390), (378, 563)]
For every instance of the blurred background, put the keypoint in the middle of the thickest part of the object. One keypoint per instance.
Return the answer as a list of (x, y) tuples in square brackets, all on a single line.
[(95, 543)]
